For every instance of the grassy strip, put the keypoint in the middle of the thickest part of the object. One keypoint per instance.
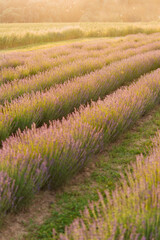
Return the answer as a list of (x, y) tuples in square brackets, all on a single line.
[(40, 46), (132, 211), (46, 46), (105, 174), (69, 31), (11, 40)]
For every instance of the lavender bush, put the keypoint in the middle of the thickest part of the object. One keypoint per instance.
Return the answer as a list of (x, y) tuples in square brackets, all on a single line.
[(61, 74), (40, 108), (65, 146), (40, 61), (50, 155), (8, 191), (132, 211)]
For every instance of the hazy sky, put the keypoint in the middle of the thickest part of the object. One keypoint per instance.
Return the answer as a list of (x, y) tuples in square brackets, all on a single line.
[(78, 10)]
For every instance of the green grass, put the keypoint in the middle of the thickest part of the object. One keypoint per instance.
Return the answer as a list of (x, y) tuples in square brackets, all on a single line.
[(16, 35), (36, 46), (105, 174)]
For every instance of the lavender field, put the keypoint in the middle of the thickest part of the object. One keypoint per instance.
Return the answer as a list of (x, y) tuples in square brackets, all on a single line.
[(62, 106)]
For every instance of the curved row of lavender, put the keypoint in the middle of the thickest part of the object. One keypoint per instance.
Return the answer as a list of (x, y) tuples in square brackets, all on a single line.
[(132, 212), (56, 103), (43, 60), (15, 59), (48, 156), (44, 81), (41, 64)]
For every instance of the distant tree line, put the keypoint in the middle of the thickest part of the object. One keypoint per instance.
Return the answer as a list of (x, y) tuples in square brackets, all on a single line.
[(78, 10)]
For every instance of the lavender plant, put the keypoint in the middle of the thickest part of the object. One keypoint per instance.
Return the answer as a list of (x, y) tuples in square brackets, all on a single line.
[(40, 61), (65, 146), (8, 191), (132, 211), (50, 155), (61, 74), (56, 103)]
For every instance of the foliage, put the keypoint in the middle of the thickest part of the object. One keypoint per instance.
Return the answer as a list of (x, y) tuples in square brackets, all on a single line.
[(57, 102), (131, 212), (50, 155)]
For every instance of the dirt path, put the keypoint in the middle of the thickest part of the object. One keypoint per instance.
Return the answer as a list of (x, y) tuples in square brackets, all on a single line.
[(15, 225)]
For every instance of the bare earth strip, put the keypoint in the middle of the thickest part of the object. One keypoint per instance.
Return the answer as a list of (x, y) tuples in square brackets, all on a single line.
[(14, 225)]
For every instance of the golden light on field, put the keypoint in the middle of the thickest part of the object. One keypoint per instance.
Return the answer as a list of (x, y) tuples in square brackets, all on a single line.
[(75, 76)]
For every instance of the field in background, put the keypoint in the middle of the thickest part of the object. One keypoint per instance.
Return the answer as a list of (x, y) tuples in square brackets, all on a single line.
[(61, 110), (18, 35)]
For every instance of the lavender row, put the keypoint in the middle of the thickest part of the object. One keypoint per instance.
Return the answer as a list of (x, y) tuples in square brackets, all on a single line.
[(99, 44), (40, 61), (19, 58), (57, 51), (61, 74), (11, 61), (129, 38), (40, 64), (15, 59), (131, 212), (56, 103), (48, 156)]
